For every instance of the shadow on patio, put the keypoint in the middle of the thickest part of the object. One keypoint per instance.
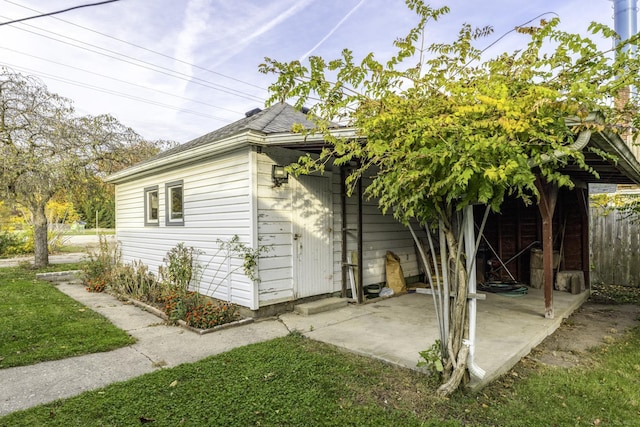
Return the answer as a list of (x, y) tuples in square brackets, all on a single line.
[(396, 329)]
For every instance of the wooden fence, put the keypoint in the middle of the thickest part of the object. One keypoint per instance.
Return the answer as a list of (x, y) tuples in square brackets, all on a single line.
[(615, 248)]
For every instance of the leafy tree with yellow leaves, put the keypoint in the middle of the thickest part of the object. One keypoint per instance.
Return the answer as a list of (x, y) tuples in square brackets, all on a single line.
[(443, 127)]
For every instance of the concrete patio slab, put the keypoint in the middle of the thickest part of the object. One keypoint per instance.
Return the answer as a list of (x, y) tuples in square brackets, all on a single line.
[(396, 329)]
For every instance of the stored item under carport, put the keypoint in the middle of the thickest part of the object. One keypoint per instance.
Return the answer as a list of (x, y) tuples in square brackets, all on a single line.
[(395, 276)]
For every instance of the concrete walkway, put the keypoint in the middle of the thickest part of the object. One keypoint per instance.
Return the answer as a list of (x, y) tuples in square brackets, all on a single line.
[(69, 258), (158, 346)]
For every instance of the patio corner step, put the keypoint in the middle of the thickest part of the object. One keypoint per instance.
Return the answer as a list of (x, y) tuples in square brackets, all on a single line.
[(320, 306)]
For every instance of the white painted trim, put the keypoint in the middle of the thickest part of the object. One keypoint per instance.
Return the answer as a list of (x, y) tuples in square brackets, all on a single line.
[(207, 150), (186, 157), (253, 232)]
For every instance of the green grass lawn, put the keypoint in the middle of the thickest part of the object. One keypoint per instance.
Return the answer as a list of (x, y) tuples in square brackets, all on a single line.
[(289, 381), (604, 391), (38, 322), (293, 381), (70, 249)]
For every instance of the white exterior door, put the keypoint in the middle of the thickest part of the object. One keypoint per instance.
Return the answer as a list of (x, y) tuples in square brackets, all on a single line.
[(312, 236)]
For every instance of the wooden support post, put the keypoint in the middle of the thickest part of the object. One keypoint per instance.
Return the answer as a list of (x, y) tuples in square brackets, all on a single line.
[(547, 205)]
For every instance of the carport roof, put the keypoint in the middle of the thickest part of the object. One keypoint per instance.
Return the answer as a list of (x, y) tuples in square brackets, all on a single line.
[(624, 170)]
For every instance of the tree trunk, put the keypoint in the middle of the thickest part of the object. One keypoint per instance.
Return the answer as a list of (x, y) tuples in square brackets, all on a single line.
[(456, 363), (457, 375), (40, 235)]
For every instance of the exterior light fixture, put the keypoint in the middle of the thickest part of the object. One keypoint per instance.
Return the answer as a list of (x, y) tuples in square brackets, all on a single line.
[(279, 175)]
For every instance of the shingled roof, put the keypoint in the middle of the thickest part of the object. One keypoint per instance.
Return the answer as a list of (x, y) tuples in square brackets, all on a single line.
[(278, 118)]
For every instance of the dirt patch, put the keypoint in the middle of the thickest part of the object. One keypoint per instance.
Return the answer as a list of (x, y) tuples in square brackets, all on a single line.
[(592, 325)]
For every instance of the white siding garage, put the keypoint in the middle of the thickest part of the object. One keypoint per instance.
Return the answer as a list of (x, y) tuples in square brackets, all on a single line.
[(217, 205), (221, 185)]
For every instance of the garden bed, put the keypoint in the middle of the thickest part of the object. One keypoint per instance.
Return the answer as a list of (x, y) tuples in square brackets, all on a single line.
[(173, 293), (74, 276), (161, 314)]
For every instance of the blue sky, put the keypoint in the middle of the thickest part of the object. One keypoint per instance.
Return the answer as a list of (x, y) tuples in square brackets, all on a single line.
[(177, 69)]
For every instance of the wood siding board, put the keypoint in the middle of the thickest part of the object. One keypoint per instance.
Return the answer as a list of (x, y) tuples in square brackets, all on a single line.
[(275, 297), (283, 280), (275, 227), (274, 263), (381, 233)]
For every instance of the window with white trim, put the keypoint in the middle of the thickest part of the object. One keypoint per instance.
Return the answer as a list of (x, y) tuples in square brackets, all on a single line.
[(151, 205), (174, 197)]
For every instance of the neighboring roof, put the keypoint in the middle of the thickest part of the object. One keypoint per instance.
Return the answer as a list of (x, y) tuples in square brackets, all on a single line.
[(255, 126)]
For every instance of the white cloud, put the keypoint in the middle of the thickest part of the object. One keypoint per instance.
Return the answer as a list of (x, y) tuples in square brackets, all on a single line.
[(193, 30)]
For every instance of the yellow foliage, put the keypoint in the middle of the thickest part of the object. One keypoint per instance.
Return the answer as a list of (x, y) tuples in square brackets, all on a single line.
[(61, 212), (492, 173), (16, 218), (510, 125)]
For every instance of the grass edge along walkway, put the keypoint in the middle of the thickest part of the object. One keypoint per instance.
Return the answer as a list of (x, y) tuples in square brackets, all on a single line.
[(39, 323)]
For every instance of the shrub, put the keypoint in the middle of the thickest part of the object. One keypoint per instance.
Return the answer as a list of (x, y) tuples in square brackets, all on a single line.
[(23, 242), (100, 266), (180, 269), (136, 281), (171, 292), (209, 314), (249, 255), (10, 243), (96, 284), (432, 358), (177, 304), (17, 231)]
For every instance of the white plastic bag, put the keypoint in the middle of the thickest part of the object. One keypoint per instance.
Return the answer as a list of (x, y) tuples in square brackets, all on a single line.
[(386, 292)]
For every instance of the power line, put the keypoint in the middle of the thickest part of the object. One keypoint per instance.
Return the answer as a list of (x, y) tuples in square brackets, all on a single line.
[(113, 92), (119, 80), (515, 29), (139, 62), (57, 12), (145, 49)]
